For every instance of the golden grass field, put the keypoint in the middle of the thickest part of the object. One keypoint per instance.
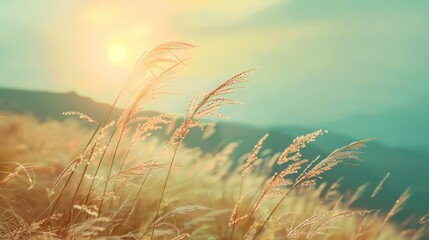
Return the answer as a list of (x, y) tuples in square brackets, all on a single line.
[(61, 180)]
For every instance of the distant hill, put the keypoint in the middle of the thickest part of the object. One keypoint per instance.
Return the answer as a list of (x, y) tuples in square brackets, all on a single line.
[(48, 105), (405, 127), (408, 167)]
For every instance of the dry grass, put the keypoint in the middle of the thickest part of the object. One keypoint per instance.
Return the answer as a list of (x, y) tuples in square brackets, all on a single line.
[(118, 182)]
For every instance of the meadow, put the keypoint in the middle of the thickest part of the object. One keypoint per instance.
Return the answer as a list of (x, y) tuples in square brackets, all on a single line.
[(117, 180)]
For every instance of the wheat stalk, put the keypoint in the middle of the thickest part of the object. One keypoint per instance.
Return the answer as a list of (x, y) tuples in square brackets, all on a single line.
[(395, 209), (199, 107), (380, 185), (335, 158)]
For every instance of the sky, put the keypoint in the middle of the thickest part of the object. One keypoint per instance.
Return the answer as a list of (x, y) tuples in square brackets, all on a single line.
[(317, 61)]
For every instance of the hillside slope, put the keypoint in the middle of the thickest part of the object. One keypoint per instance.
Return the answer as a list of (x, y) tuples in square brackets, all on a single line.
[(408, 167)]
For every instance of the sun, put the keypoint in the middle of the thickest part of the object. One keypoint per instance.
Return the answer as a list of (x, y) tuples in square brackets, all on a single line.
[(117, 53)]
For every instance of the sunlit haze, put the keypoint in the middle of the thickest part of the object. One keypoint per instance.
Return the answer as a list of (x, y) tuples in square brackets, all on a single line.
[(317, 61), (117, 53)]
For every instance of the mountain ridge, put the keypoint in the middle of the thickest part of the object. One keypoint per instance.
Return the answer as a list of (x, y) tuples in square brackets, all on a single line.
[(403, 164)]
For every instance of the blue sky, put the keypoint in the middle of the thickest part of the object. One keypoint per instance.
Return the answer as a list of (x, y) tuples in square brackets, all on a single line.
[(317, 60)]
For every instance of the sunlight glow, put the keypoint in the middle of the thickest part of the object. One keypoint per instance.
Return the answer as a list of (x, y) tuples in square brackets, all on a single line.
[(117, 53)]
